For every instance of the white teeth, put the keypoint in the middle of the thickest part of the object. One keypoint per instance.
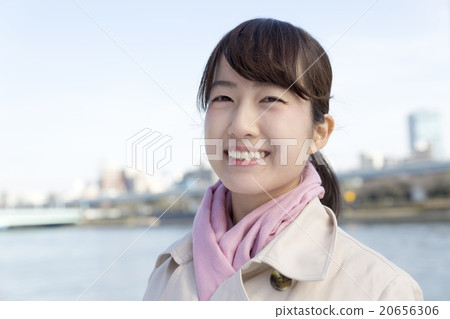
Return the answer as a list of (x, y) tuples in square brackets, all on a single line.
[(247, 156)]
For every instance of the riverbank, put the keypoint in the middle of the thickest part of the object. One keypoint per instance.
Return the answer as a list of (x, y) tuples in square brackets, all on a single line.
[(52, 217), (432, 210), (380, 215), (394, 215)]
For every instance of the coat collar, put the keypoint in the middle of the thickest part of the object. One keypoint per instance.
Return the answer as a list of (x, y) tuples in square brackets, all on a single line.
[(180, 251), (304, 250)]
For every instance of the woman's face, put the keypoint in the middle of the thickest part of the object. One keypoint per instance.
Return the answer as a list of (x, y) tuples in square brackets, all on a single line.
[(247, 117)]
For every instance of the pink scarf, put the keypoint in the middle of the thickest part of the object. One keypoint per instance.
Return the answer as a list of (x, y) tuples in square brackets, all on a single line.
[(220, 248)]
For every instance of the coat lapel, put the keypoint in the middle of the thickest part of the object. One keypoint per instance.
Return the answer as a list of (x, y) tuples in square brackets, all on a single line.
[(304, 250)]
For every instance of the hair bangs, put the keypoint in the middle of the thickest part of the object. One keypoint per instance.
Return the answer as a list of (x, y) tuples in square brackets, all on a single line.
[(264, 52)]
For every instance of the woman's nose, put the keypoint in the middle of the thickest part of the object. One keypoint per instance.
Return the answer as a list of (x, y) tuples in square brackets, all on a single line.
[(242, 121)]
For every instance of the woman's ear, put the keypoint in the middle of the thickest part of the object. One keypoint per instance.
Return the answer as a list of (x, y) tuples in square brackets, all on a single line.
[(322, 132)]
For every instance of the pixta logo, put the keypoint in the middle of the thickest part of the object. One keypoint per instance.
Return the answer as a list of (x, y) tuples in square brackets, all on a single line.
[(148, 151), (214, 149)]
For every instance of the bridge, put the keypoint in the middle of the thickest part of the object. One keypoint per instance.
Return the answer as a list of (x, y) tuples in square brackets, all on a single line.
[(407, 169)]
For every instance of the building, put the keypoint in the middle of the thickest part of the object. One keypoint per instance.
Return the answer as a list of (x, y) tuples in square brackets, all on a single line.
[(112, 180), (425, 135), (371, 160)]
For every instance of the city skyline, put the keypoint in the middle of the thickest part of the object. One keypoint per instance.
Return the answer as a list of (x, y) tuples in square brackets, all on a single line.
[(115, 179), (70, 96)]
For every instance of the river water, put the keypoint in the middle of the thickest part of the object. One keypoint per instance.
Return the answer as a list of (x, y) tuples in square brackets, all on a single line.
[(69, 263)]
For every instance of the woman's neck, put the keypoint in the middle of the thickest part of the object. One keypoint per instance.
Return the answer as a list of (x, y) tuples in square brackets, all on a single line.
[(243, 204)]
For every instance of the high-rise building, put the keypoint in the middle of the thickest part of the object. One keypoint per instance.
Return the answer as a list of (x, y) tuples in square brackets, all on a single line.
[(425, 135)]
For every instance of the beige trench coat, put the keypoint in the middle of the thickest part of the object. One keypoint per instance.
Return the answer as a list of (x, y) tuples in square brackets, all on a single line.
[(323, 261)]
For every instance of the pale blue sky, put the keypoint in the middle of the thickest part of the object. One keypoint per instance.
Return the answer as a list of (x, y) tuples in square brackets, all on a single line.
[(69, 97)]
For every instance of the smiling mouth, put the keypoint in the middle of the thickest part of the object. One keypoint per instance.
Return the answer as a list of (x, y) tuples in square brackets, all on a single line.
[(246, 155)]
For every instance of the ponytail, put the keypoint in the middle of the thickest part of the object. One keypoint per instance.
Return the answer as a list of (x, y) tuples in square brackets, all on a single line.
[(330, 183)]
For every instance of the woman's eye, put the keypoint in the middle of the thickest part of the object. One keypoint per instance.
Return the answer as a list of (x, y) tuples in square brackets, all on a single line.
[(222, 98), (272, 99)]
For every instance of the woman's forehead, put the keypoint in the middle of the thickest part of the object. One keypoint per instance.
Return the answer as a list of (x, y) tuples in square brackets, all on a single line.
[(226, 76)]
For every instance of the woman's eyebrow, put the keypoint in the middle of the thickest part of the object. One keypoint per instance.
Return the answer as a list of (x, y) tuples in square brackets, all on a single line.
[(223, 83), (262, 84), (233, 85)]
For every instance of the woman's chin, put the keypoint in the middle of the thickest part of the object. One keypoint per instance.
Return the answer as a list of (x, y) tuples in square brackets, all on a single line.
[(249, 187)]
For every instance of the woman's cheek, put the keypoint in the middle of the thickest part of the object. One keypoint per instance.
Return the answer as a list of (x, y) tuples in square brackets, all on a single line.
[(212, 124)]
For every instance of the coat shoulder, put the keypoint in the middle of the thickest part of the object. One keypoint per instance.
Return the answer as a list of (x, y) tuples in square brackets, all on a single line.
[(388, 281), (173, 276), (359, 252)]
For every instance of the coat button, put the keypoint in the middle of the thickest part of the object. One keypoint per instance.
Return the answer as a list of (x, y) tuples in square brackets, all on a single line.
[(280, 282)]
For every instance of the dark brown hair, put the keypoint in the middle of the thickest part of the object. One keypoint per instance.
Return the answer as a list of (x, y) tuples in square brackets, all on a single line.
[(277, 52)]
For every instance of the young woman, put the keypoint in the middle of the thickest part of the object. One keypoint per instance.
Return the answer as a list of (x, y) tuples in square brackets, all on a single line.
[(267, 229)]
